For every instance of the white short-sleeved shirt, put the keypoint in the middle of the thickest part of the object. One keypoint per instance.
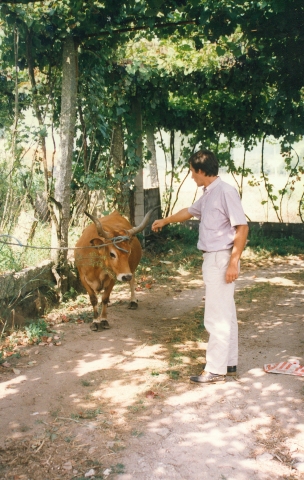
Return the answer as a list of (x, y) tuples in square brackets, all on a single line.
[(219, 210)]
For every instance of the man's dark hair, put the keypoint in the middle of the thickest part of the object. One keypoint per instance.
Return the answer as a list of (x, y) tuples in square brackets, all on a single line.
[(205, 161)]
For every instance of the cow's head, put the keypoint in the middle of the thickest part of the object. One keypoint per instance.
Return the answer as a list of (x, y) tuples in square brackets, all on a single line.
[(115, 246)]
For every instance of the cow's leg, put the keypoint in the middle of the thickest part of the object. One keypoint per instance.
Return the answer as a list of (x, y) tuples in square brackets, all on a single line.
[(92, 295), (133, 303), (103, 323)]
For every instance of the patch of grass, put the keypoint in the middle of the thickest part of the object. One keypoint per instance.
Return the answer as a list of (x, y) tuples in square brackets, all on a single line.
[(173, 374), (25, 428), (54, 413), (175, 358), (178, 245), (85, 414), (260, 243), (255, 291), (137, 407), (85, 383), (119, 468), (93, 463), (86, 478), (136, 433)]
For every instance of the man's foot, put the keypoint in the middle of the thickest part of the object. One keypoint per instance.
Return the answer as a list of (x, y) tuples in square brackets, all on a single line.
[(208, 377), (231, 371)]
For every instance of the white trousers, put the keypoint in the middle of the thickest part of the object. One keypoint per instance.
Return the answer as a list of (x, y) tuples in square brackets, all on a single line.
[(220, 313)]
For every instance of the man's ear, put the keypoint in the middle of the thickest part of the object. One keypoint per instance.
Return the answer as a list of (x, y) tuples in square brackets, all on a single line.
[(97, 241)]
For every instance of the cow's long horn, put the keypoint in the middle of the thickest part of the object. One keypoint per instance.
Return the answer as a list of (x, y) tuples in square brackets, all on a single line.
[(143, 224), (101, 232)]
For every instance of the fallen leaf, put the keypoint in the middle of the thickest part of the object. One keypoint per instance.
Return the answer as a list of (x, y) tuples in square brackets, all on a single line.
[(44, 338), (148, 285), (49, 340), (65, 319), (6, 364), (57, 344), (151, 394), (16, 371), (79, 320)]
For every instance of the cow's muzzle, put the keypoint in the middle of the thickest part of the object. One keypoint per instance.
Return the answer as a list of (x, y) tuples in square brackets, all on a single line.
[(124, 277)]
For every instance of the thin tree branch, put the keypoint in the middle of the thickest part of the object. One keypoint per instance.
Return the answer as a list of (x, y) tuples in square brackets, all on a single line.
[(136, 29), (25, 2)]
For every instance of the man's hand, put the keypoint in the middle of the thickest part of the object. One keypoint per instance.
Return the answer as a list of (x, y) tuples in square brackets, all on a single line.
[(232, 272), (180, 216), (158, 225)]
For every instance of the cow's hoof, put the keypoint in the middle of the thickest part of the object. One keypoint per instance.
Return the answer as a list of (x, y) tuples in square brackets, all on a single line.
[(104, 325), (94, 326), (133, 305), (98, 326)]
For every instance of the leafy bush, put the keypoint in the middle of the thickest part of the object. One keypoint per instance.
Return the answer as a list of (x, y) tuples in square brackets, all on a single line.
[(9, 260), (20, 257), (174, 237), (36, 330)]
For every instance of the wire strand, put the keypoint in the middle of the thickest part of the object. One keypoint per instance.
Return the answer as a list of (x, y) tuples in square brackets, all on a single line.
[(113, 241)]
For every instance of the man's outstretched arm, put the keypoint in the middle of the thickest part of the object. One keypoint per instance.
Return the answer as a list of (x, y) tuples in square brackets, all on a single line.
[(180, 216)]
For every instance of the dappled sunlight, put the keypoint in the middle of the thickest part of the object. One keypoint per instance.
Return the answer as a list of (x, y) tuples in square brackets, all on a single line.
[(126, 392), (11, 387)]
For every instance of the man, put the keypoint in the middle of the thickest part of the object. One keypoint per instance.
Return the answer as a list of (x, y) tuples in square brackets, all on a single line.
[(223, 233)]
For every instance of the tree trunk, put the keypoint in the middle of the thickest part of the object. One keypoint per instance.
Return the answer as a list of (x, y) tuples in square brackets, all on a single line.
[(63, 172), (172, 158), (137, 207), (117, 154), (152, 162)]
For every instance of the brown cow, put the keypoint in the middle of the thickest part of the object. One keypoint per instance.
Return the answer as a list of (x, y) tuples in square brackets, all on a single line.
[(116, 255)]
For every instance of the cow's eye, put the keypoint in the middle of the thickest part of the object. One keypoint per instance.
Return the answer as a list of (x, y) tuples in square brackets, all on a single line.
[(112, 255)]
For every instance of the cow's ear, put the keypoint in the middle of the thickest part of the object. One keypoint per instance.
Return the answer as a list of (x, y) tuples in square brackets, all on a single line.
[(97, 241)]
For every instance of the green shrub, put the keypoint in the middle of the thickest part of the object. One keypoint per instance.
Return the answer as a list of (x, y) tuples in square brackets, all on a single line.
[(258, 242), (36, 330)]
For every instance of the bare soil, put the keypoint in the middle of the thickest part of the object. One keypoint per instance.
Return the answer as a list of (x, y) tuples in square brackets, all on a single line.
[(118, 404)]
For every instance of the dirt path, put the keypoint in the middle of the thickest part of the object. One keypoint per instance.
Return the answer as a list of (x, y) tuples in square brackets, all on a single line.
[(118, 404)]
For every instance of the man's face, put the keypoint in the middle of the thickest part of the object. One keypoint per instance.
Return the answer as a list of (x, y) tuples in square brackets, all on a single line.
[(199, 177)]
